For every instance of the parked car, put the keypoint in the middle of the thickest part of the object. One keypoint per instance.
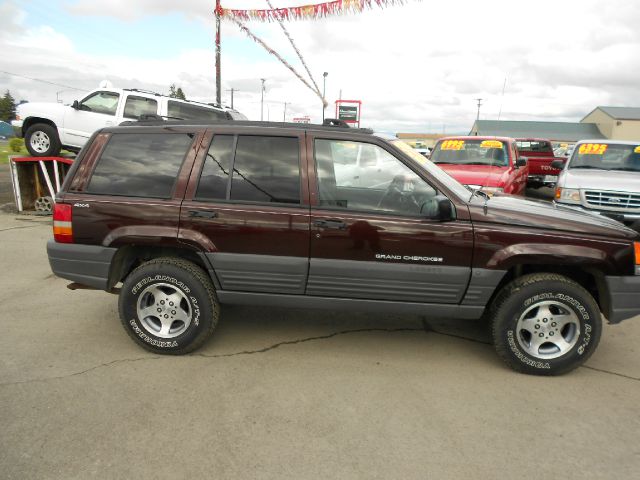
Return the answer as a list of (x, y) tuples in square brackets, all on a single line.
[(540, 155), (603, 177), (488, 163), (49, 127), (6, 131), (179, 218)]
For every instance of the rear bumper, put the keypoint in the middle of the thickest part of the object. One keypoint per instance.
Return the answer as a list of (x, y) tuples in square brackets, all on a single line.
[(624, 298), (85, 264), (550, 179)]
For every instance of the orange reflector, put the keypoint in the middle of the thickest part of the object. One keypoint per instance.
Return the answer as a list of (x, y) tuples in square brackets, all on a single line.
[(636, 246), (558, 192)]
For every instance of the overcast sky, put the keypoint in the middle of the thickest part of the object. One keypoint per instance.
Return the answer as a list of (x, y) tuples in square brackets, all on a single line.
[(417, 67)]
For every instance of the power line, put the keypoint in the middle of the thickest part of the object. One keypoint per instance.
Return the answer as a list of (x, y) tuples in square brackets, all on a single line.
[(44, 81)]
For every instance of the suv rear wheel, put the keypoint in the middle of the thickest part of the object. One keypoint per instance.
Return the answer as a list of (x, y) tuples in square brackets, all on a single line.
[(42, 140), (168, 306), (545, 324)]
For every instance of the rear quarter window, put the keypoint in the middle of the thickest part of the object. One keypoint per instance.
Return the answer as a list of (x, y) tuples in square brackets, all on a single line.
[(140, 165)]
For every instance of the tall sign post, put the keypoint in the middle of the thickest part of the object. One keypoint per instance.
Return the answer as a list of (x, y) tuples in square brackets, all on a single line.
[(218, 82), (349, 111)]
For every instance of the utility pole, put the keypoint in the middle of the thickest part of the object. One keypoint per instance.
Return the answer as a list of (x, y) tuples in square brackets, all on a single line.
[(262, 100), (479, 105), (284, 115), (324, 89), (218, 82), (232, 90)]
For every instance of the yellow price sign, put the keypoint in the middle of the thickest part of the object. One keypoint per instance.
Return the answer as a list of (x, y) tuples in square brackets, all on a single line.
[(592, 148), (637, 149), (452, 145), (491, 144)]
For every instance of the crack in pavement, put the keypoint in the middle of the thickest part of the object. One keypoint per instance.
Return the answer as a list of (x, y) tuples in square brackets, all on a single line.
[(601, 370), (17, 228), (426, 327)]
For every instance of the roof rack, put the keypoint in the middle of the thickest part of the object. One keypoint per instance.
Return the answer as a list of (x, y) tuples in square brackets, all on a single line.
[(156, 121), (142, 90)]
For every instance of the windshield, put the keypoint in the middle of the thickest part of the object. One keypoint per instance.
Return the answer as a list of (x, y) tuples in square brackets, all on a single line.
[(471, 152), (434, 171), (603, 156)]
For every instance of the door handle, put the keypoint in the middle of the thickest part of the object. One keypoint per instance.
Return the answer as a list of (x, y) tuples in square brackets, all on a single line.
[(202, 214), (330, 224)]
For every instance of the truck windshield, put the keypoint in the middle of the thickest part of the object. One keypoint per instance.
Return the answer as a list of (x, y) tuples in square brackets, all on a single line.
[(603, 156), (471, 152)]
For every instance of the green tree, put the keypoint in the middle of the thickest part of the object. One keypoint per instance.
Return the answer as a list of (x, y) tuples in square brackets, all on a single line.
[(7, 107), (176, 92)]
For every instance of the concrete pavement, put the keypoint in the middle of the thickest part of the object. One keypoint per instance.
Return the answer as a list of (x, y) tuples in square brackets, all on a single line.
[(291, 394)]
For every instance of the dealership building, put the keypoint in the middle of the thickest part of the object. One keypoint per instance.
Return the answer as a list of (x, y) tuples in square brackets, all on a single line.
[(613, 123)]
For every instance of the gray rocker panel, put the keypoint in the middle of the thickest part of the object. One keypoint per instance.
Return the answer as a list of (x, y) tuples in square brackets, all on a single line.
[(347, 304)]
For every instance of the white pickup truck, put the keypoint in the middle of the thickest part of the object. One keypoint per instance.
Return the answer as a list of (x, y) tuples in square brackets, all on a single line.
[(49, 127)]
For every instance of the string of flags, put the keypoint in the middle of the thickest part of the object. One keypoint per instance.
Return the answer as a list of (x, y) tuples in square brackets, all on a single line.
[(305, 12)]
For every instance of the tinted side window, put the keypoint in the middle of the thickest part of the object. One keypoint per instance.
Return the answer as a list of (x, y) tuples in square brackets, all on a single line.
[(215, 173), (136, 106), (188, 111), (266, 169), (391, 187), (140, 165)]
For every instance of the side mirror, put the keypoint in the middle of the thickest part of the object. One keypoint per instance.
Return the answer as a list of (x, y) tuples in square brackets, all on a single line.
[(521, 162), (75, 105), (558, 164), (439, 208)]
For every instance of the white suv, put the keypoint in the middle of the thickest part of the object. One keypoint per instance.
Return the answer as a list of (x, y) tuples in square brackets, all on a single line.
[(49, 127)]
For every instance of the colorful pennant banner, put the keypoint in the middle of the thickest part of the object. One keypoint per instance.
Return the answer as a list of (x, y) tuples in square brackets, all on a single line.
[(304, 12)]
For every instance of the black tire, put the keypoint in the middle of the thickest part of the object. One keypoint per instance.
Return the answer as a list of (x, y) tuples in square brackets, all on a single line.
[(42, 140), (151, 286), (519, 309)]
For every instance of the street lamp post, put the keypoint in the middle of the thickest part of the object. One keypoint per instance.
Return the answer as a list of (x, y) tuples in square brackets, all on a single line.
[(324, 89)]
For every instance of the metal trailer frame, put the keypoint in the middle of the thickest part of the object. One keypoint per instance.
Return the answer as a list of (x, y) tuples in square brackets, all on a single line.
[(58, 174)]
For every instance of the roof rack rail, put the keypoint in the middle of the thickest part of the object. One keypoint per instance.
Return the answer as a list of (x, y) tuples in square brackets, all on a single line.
[(335, 122), (156, 120), (142, 90)]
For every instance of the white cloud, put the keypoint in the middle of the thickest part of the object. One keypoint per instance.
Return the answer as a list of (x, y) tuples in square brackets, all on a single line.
[(416, 67)]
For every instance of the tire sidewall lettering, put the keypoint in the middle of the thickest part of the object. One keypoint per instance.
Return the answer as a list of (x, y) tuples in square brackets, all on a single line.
[(148, 280), (570, 302)]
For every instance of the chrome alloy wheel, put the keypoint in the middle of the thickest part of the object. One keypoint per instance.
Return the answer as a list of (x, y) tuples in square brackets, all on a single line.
[(40, 141), (164, 311), (548, 330)]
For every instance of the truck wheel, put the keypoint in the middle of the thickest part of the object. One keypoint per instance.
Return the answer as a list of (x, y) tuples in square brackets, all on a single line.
[(168, 306), (545, 324), (42, 140)]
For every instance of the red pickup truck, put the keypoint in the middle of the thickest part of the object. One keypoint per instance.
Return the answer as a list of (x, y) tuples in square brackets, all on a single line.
[(539, 155), (491, 164)]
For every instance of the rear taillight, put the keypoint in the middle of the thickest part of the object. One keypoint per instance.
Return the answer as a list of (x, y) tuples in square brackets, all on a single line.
[(62, 230), (636, 248)]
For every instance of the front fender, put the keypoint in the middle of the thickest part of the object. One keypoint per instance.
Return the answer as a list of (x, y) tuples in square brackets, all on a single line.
[(550, 254)]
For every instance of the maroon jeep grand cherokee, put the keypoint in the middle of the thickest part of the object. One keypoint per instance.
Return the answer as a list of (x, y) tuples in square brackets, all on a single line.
[(180, 218)]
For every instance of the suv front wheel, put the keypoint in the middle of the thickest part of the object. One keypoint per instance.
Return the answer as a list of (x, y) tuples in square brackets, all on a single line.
[(545, 324), (42, 140), (168, 306)]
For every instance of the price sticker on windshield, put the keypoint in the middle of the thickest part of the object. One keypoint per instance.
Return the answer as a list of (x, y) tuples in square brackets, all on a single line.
[(452, 145), (637, 149), (491, 144), (592, 148)]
